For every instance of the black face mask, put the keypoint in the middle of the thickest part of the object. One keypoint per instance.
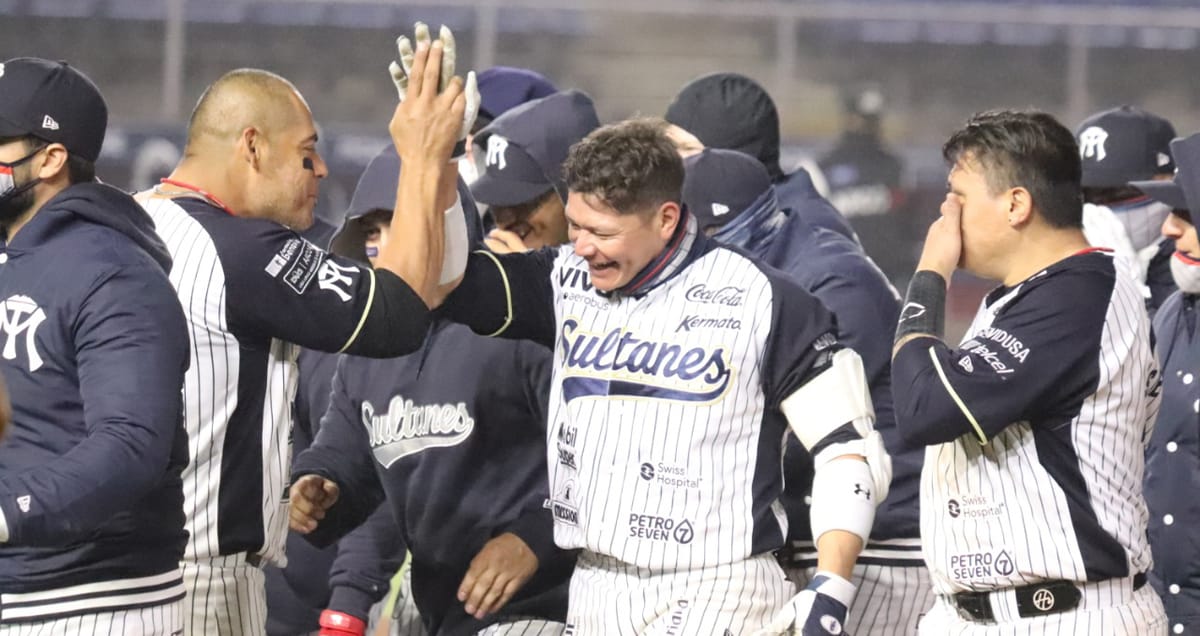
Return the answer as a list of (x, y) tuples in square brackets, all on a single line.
[(15, 200)]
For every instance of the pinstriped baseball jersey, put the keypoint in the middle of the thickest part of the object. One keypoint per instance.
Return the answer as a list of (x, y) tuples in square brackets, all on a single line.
[(249, 289), (665, 434), (1057, 376)]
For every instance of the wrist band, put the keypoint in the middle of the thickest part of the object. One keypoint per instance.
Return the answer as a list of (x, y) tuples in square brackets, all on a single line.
[(924, 308)]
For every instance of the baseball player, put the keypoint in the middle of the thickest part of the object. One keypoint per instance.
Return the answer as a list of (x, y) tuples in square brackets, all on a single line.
[(674, 380), (254, 292), (732, 111), (94, 352), (731, 195), (1173, 449), (1117, 146), (1032, 514), (521, 181), (501, 88), (454, 436)]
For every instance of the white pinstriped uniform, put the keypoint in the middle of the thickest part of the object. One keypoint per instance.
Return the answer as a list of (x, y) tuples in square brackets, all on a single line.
[(993, 517), (210, 398), (159, 620), (659, 490)]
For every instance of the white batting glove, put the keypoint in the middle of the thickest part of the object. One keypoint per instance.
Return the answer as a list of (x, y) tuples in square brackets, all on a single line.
[(818, 610), (400, 70)]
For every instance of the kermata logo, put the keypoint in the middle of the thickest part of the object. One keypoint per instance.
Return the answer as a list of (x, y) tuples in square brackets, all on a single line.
[(619, 363), (20, 317), (496, 146), (408, 428), (1091, 143)]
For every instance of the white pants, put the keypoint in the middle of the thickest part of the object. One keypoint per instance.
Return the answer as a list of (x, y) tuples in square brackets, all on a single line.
[(889, 602), (528, 627), (160, 620), (609, 596), (225, 597), (1107, 608)]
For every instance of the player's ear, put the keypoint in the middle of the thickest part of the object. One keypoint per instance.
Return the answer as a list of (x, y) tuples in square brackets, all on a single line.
[(1020, 207), (250, 146), (669, 216)]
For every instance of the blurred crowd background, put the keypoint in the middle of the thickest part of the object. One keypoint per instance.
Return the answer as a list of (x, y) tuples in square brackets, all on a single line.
[(915, 69)]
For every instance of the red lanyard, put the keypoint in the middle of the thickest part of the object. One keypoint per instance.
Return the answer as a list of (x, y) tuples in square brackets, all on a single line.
[(208, 197)]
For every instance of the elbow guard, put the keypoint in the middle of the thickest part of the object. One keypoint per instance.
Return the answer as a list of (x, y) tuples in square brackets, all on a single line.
[(832, 415)]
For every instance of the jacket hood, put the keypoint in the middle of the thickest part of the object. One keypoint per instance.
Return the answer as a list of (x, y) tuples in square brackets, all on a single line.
[(732, 111), (105, 205)]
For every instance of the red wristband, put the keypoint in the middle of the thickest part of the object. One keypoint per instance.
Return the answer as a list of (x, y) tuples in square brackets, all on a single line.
[(339, 624)]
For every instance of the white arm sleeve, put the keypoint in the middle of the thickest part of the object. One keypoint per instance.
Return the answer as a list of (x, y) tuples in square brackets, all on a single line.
[(454, 259), (845, 491)]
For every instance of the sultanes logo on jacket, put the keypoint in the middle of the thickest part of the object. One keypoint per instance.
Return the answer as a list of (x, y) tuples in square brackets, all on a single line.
[(407, 428)]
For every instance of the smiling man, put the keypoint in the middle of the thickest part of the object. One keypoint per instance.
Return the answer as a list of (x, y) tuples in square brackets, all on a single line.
[(679, 366)]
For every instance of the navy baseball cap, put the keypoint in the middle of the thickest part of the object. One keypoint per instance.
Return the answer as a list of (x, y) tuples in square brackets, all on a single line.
[(1183, 191), (53, 102), (719, 184), (1124, 144), (502, 88), (524, 149), (376, 190)]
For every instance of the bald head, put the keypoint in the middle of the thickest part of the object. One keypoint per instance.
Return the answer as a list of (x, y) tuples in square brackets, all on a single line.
[(241, 99)]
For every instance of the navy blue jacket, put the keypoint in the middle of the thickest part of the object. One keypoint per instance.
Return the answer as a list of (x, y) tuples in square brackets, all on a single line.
[(457, 433), (95, 349), (348, 577), (797, 193), (1173, 463), (834, 268)]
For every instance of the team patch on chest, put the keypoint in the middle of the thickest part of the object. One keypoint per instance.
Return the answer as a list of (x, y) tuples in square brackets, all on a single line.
[(621, 362), (408, 428)]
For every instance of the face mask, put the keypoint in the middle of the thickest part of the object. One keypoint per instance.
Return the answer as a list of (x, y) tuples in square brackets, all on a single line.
[(1186, 272), (1143, 221), (15, 200)]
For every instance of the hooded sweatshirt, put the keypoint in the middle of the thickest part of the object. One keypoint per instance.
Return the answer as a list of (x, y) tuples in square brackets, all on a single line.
[(728, 110), (454, 436), (95, 351)]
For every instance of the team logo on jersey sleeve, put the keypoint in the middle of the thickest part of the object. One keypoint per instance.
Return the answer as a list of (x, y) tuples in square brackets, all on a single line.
[(619, 363), (408, 428)]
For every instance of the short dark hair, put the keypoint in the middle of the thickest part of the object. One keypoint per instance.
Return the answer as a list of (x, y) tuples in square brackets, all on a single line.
[(630, 166), (1028, 149)]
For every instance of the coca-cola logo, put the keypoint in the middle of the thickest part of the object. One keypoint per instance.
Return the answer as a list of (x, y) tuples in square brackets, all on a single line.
[(727, 296)]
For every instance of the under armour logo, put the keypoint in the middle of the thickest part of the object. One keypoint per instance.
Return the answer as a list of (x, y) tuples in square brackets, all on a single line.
[(19, 314), (48, 123), (1043, 599), (496, 146), (335, 278), (1091, 143), (859, 490), (720, 209)]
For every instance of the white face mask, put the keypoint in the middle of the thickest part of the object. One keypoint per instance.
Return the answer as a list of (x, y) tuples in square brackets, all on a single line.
[(1143, 221), (1186, 272)]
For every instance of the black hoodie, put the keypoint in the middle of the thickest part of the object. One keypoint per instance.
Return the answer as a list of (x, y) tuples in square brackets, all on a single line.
[(96, 351), (728, 110)]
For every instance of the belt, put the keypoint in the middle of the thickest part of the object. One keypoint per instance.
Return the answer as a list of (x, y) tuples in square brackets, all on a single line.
[(1038, 599), (254, 559)]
